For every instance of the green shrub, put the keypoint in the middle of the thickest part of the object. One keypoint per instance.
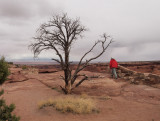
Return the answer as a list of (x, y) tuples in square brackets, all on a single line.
[(5, 110), (4, 71), (24, 67), (10, 63)]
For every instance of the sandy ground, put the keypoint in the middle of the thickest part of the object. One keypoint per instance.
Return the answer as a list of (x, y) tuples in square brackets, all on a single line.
[(128, 102)]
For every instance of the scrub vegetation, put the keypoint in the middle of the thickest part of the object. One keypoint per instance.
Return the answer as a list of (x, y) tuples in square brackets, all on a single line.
[(5, 110), (74, 105)]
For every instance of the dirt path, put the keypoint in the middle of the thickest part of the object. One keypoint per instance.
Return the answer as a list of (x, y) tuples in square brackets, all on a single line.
[(127, 103)]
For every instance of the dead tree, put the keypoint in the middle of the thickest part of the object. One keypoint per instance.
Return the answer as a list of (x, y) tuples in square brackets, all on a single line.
[(58, 34)]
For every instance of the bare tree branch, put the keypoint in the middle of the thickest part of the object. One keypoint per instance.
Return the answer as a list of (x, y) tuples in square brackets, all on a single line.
[(81, 66), (82, 80), (56, 60), (62, 77)]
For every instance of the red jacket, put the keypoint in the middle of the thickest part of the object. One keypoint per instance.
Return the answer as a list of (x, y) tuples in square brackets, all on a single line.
[(113, 63)]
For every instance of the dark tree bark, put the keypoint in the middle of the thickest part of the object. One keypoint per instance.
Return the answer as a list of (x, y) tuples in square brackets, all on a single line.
[(59, 34)]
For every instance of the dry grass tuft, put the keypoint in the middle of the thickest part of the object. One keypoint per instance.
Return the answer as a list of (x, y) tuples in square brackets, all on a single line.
[(105, 98), (71, 104), (48, 102), (30, 71), (84, 95)]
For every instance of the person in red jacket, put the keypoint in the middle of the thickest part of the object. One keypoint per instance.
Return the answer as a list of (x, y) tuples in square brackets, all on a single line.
[(113, 65)]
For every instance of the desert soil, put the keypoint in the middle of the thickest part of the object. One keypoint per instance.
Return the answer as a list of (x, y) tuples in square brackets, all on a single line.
[(127, 102)]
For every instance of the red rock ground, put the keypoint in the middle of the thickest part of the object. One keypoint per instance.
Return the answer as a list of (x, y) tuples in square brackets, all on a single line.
[(128, 102)]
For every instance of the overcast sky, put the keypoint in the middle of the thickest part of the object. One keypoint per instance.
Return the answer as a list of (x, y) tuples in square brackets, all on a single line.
[(134, 25)]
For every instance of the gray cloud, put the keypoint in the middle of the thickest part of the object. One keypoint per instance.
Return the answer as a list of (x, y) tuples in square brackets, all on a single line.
[(24, 9), (134, 25), (19, 20)]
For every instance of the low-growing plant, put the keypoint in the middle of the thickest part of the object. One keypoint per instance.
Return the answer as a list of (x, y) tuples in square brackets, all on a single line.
[(56, 89), (71, 104), (24, 67), (10, 63), (29, 70), (17, 66), (84, 95), (5, 110), (4, 71), (46, 103), (105, 98)]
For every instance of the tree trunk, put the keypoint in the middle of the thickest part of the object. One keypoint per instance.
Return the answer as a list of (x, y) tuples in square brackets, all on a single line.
[(68, 87)]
